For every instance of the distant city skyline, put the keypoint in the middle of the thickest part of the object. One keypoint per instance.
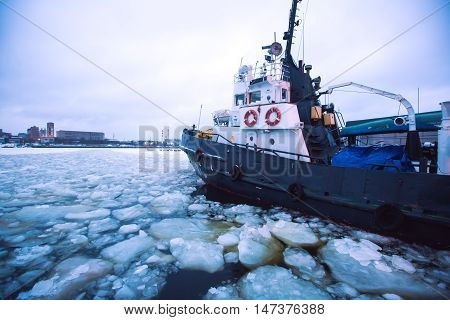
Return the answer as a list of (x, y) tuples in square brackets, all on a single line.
[(186, 56)]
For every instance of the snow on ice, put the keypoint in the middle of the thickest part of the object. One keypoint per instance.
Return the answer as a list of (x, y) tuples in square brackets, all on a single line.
[(125, 251), (117, 228), (355, 263), (257, 247), (277, 283), (197, 255), (68, 277)]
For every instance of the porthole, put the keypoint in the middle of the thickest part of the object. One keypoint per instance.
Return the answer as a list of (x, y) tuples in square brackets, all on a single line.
[(272, 141), (251, 138)]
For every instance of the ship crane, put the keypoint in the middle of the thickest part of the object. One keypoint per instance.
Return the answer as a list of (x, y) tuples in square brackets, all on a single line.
[(408, 106)]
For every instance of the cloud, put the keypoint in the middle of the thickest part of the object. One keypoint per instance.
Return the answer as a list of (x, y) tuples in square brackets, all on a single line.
[(184, 55)]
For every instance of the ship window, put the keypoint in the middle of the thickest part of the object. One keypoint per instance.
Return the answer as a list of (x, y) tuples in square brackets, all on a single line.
[(255, 96), (240, 99), (283, 94), (272, 141)]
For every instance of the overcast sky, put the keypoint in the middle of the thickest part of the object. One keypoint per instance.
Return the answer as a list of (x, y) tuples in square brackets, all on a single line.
[(181, 54)]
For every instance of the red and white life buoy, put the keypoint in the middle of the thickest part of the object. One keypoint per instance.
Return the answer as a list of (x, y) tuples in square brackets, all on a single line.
[(252, 122), (273, 122)]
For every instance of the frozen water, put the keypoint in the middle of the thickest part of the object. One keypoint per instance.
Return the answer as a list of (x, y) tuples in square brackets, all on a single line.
[(127, 250), (276, 283), (90, 215), (403, 264), (294, 234), (257, 247), (222, 293), (169, 203), (43, 213), (188, 229), (70, 231), (249, 219), (231, 257), (198, 207), (26, 255), (229, 239), (363, 252), (129, 228), (98, 226), (343, 290), (66, 226), (391, 296), (197, 255), (130, 213), (303, 263), (68, 278), (160, 258), (353, 263)]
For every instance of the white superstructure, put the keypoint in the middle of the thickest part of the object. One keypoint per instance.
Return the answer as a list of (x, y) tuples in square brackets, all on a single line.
[(261, 113)]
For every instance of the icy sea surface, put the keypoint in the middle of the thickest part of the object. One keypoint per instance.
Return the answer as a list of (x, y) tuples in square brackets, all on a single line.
[(130, 224)]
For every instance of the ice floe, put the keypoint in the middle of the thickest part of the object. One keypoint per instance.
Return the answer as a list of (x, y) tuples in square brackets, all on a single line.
[(66, 226), (303, 263), (89, 215), (229, 239), (257, 247), (98, 226), (169, 203), (222, 293), (197, 255), (101, 217), (294, 234), (277, 283), (343, 290), (42, 213), (26, 255), (354, 263), (127, 250), (231, 257), (129, 213), (129, 228), (402, 264), (188, 229), (198, 207), (68, 278)]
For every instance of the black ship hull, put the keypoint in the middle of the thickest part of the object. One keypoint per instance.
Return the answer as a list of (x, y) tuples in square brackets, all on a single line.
[(410, 206)]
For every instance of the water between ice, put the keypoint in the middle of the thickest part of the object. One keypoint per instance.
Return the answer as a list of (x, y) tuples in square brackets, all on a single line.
[(129, 224)]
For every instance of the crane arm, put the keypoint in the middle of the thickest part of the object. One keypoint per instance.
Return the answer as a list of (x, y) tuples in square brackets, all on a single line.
[(408, 106)]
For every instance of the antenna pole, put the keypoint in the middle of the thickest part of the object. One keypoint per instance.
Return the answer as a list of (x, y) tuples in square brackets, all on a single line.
[(200, 116), (418, 100), (289, 35)]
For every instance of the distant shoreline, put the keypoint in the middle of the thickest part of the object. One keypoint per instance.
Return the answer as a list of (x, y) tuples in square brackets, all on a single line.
[(91, 147)]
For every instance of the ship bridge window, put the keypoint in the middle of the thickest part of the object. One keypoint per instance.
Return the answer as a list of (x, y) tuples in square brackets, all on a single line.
[(284, 94), (240, 99), (255, 96)]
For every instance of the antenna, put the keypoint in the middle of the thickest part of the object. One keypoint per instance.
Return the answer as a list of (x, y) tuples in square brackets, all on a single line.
[(200, 116), (418, 100), (304, 27), (289, 35)]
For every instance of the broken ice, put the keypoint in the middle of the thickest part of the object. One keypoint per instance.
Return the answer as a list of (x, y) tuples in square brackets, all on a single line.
[(111, 231)]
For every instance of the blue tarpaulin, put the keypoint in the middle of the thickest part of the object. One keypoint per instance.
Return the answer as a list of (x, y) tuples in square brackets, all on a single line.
[(374, 157)]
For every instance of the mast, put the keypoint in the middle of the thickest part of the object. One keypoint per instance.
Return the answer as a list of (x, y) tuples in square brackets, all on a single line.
[(289, 35)]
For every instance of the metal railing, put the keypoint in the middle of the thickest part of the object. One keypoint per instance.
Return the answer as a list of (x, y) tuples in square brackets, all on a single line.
[(275, 71), (263, 150)]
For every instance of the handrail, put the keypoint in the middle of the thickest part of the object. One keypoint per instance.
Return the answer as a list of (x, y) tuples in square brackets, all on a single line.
[(276, 70), (265, 149)]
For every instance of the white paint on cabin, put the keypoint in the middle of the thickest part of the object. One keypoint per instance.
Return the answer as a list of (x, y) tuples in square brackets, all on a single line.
[(261, 90)]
